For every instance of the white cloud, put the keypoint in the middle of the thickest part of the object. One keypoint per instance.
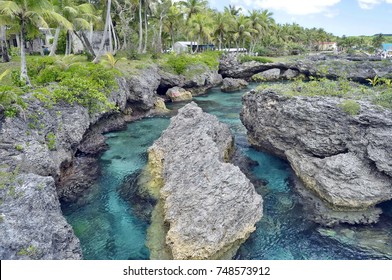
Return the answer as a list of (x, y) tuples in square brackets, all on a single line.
[(303, 7), (370, 4)]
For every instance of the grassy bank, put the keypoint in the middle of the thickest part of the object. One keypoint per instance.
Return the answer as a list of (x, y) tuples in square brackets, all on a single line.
[(379, 93)]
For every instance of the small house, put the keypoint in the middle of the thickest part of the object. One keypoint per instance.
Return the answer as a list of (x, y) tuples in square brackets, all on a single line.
[(184, 47), (327, 46)]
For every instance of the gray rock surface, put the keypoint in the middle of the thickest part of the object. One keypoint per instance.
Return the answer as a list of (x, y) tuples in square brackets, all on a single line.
[(355, 69), (327, 148), (177, 94), (142, 88), (28, 204), (230, 84), (209, 205), (268, 75), (290, 74)]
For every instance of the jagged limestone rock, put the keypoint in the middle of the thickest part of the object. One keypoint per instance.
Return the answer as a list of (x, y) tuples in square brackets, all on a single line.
[(332, 152), (24, 199), (207, 206)]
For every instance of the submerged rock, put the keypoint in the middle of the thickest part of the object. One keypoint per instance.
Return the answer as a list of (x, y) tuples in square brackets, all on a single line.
[(371, 240), (230, 84), (327, 148), (207, 207)]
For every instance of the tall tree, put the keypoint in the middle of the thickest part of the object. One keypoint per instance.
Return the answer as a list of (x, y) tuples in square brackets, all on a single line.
[(36, 13), (107, 33), (173, 20), (193, 7), (201, 26), (242, 31), (4, 47)]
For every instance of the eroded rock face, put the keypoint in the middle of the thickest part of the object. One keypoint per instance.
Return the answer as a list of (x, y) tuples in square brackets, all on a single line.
[(209, 205), (327, 148), (230, 84), (30, 196)]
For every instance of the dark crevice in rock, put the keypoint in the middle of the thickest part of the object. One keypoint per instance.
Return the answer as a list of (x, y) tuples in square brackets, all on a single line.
[(162, 89), (345, 151)]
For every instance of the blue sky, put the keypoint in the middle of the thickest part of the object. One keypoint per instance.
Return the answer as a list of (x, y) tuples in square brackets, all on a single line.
[(340, 17)]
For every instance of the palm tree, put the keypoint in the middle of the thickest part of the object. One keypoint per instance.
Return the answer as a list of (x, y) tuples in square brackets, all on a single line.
[(107, 33), (201, 24), (4, 47), (36, 13), (233, 10), (222, 24), (82, 16), (160, 12), (242, 30), (193, 7), (173, 20)]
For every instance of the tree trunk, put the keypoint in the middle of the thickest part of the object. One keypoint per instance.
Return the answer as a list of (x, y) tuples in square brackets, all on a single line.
[(220, 40), (105, 33), (86, 43), (115, 37), (160, 34), (55, 42), (91, 32), (23, 66), (4, 47), (140, 28), (146, 30), (172, 34), (110, 33), (67, 52)]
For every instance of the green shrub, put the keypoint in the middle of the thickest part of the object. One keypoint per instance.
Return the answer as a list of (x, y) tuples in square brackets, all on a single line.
[(179, 63), (19, 148), (51, 141), (350, 107), (11, 101), (384, 99), (247, 58), (48, 75)]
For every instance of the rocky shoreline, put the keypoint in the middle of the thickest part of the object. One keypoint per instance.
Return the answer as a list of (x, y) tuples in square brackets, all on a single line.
[(49, 155), (341, 158), (55, 149)]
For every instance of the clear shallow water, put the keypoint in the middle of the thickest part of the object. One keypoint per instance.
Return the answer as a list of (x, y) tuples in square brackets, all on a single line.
[(109, 228)]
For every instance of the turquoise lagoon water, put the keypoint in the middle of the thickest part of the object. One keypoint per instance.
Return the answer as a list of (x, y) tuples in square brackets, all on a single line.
[(110, 228)]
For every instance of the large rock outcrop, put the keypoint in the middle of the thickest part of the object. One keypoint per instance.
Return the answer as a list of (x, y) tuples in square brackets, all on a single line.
[(319, 66), (343, 159), (207, 207)]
